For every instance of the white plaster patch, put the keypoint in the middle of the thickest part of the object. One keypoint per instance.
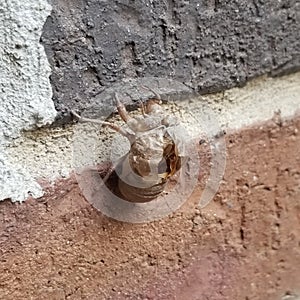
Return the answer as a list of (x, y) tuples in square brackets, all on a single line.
[(25, 88), (26, 94), (16, 182)]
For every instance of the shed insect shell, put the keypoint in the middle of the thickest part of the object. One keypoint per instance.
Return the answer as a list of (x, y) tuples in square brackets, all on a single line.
[(156, 152)]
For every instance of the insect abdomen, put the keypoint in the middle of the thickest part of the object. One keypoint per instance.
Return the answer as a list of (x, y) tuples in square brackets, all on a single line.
[(138, 194)]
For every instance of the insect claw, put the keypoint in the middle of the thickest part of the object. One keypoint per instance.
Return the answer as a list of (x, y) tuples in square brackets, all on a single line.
[(153, 91), (75, 114), (121, 109), (118, 102), (142, 107)]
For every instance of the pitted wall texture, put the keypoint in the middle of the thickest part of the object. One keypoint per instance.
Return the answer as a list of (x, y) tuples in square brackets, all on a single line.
[(25, 88), (208, 44), (26, 93)]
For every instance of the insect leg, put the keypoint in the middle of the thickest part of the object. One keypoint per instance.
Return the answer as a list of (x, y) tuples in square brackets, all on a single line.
[(104, 123), (121, 109), (142, 108)]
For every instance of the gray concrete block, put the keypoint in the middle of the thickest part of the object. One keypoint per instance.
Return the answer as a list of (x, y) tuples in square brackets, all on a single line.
[(209, 45)]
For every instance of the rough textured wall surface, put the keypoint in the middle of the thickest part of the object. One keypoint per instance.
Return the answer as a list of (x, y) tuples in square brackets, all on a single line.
[(208, 44), (25, 88), (26, 94), (243, 246)]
